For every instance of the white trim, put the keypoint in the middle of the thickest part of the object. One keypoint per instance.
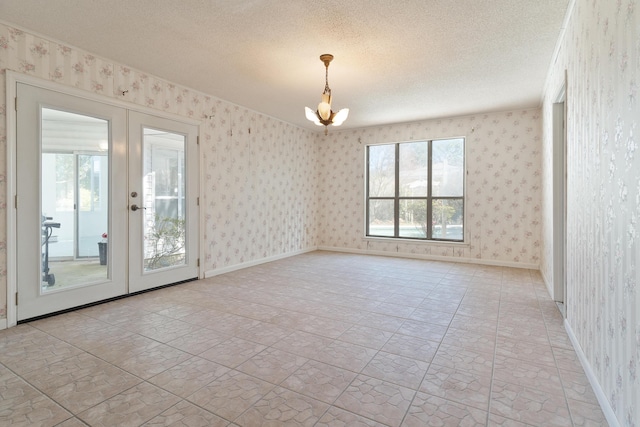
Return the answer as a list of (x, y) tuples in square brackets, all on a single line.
[(547, 284), (497, 263), (556, 50), (607, 410), (440, 243), (3, 324), (12, 262), (223, 270)]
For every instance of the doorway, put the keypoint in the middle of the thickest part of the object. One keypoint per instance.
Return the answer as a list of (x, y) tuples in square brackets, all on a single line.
[(559, 199), (106, 201)]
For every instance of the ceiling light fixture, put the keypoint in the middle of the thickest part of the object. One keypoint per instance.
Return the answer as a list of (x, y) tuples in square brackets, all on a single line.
[(323, 116)]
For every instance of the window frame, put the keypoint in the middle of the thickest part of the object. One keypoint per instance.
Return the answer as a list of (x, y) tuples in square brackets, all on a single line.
[(429, 198)]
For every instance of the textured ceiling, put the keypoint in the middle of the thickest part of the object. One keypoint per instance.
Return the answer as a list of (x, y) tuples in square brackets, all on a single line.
[(395, 61)]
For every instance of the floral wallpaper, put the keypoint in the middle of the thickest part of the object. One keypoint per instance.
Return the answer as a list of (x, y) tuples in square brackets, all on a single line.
[(503, 187), (259, 174), (600, 52)]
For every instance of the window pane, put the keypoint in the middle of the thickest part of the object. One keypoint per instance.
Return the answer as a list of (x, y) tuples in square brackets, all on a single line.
[(447, 219), (448, 167), (381, 218), (413, 218), (382, 177), (414, 157)]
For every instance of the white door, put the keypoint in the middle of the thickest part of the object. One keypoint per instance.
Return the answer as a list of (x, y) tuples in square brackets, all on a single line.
[(78, 240), (53, 131), (163, 202)]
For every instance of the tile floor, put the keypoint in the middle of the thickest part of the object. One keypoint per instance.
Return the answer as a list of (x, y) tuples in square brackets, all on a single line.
[(320, 339)]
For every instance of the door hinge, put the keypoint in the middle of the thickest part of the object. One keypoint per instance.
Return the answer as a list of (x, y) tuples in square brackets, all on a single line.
[(198, 140), (15, 104), (16, 298), (197, 264), (15, 201), (198, 201)]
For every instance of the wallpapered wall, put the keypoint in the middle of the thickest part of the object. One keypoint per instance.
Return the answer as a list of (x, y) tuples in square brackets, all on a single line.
[(260, 174), (601, 53), (503, 204)]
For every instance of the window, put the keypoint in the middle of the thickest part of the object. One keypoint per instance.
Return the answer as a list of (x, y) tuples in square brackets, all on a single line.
[(415, 190)]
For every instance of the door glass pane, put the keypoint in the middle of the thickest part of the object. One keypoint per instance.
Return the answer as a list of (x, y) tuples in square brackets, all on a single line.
[(164, 199), (448, 168), (382, 176), (74, 198)]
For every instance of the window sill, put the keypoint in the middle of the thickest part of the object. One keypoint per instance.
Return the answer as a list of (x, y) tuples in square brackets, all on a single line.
[(418, 242)]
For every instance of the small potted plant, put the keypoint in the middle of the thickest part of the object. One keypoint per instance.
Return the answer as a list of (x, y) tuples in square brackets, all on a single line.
[(102, 249)]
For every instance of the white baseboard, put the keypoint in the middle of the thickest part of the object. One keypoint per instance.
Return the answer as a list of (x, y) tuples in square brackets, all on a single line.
[(547, 283), (497, 263), (223, 270), (3, 324), (607, 410)]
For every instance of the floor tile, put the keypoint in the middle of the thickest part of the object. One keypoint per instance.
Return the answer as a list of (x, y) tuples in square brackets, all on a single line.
[(232, 352), (130, 408), (427, 410), (151, 362), (411, 347), (189, 376), (80, 382), (282, 407), (577, 387), (524, 350), (464, 387), (231, 394), (422, 330), (263, 333), (303, 343), (124, 348), (396, 369), (529, 405), (345, 355), (366, 336), (469, 339), (198, 341), (586, 414), (336, 417), (376, 399), (319, 380), (542, 377), (186, 414), (464, 359), (272, 365)]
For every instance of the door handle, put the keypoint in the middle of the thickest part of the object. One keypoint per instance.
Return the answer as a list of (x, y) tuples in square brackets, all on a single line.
[(136, 207)]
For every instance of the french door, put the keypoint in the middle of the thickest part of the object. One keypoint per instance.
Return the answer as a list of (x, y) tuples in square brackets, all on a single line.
[(106, 201)]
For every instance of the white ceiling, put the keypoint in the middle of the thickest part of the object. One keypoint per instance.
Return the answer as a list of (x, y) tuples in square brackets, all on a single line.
[(395, 61)]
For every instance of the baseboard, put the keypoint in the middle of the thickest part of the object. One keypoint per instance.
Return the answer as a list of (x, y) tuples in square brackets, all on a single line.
[(547, 283), (229, 269), (3, 324), (607, 410), (497, 263)]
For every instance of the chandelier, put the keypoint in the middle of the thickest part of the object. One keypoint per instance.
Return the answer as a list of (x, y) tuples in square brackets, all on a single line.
[(323, 116)]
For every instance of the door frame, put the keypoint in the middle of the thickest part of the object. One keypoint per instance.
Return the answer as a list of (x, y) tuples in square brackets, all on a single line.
[(12, 80), (559, 185)]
